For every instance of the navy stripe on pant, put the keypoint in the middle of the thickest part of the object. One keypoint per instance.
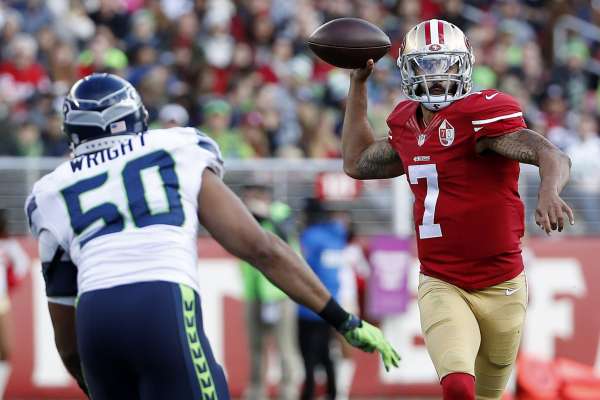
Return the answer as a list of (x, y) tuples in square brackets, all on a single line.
[(146, 341)]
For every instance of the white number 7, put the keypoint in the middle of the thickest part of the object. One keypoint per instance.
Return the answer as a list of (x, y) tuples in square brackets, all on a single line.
[(427, 229)]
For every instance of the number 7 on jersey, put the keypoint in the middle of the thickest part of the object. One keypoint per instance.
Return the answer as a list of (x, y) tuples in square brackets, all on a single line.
[(428, 229)]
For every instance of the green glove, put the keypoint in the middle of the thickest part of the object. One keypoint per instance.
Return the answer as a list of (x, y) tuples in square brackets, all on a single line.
[(368, 338)]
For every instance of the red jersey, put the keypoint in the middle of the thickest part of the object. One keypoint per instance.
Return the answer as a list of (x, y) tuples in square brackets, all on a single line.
[(467, 211)]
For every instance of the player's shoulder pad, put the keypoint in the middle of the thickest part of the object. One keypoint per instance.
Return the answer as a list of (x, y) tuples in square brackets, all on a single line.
[(403, 110), (173, 137), (31, 208), (492, 113), (490, 103), (32, 211), (207, 143), (180, 136), (210, 146)]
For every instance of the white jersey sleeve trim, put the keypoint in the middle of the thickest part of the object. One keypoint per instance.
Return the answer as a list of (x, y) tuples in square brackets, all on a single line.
[(65, 301), (488, 121)]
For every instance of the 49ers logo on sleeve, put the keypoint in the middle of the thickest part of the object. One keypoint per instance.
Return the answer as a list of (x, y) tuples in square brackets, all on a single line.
[(446, 132)]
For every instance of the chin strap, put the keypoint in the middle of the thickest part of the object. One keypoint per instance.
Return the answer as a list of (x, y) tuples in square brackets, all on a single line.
[(436, 106)]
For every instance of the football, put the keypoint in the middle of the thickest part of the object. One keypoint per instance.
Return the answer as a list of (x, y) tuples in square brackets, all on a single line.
[(349, 42)]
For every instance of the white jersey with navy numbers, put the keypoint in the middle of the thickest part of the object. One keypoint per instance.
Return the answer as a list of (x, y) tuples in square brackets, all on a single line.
[(127, 213)]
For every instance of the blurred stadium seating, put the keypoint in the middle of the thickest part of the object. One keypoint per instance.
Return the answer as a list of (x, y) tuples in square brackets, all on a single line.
[(240, 71)]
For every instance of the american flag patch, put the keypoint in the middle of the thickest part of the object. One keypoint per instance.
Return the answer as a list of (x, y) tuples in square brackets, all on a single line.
[(118, 127)]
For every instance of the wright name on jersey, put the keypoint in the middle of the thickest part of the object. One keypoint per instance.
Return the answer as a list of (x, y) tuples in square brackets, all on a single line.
[(468, 216), (126, 213)]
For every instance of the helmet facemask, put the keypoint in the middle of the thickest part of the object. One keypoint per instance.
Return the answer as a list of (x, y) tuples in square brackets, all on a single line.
[(436, 79)]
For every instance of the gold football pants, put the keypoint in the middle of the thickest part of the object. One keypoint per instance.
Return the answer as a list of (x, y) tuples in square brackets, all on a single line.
[(475, 332)]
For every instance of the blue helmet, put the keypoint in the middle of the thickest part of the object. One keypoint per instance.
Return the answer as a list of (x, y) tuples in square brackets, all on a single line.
[(101, 106)]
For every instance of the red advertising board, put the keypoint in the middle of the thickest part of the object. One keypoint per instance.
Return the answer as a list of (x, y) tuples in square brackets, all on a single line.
[(564, 287)]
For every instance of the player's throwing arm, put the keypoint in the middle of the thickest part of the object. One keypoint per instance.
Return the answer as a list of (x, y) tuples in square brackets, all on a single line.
[(530, 147)]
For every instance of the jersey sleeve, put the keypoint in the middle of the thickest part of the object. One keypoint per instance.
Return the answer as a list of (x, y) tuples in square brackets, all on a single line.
[(400, 114), (214, 157), (60, 274), (495, 114), (36, 219), (33, 215)]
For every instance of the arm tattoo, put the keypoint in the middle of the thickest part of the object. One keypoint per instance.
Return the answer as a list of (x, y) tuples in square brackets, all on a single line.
[(379, 161), (530, 147), (524, 146)]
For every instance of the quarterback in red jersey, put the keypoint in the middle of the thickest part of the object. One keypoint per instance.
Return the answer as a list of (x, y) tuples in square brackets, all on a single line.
[(460, 151)]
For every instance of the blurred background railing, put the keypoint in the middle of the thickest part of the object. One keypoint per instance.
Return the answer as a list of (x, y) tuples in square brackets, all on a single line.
[(377, 207)]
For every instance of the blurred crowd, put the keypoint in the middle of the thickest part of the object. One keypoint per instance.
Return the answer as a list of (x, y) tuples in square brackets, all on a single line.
[(240, 70)]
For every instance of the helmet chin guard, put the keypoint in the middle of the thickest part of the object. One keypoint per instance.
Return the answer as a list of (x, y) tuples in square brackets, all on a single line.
[(437, 105)]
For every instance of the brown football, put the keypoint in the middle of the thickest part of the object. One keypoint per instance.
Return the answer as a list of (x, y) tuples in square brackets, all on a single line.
[(349, 42)]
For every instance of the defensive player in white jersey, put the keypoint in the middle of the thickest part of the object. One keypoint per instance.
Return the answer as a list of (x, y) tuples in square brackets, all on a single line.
[(117, 228)]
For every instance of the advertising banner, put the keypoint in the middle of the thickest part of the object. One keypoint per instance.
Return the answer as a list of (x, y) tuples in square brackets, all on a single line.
[(562, 321), (387, 287)]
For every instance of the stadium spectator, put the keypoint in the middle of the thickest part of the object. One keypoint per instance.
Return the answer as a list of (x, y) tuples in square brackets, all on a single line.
[(36, 16), (14, 265), (571, 77), (102, 55), (252, 131), (323, 242), (208, 48), (29, 142), (353, 259), (172, 115), (21, 76), (113, 15), (585, 187), (269, 311), (453, 12), (62, 67), (510, 13), (54, 139), (217, 114), (252, 55)]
